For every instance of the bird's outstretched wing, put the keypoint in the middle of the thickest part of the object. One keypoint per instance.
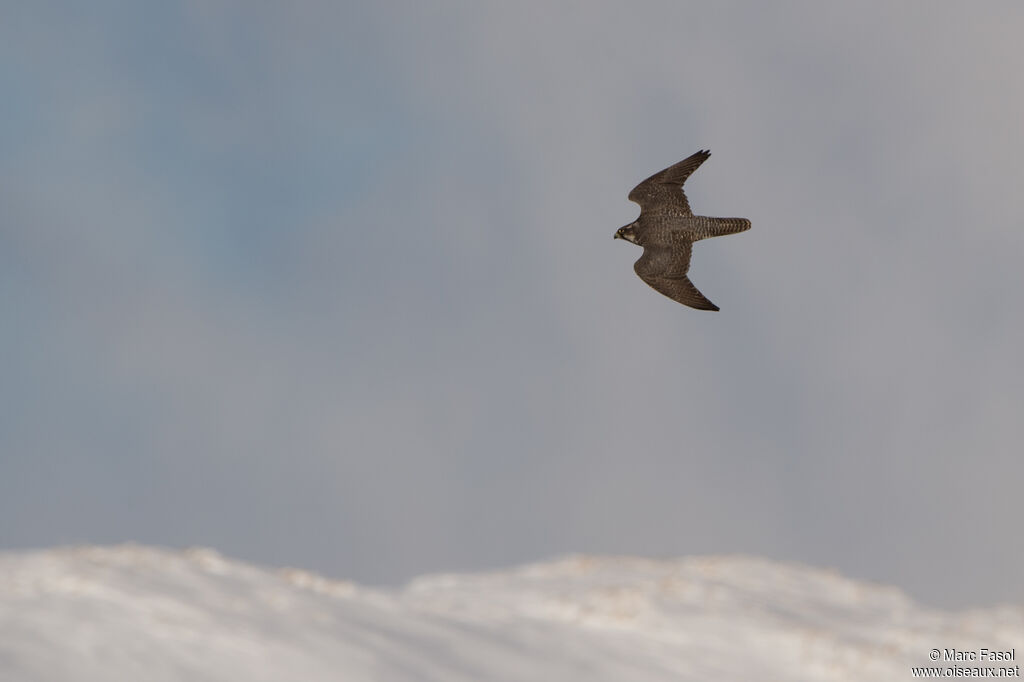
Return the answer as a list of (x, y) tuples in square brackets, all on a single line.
[(662, 193), (680, 289), (664, 268)]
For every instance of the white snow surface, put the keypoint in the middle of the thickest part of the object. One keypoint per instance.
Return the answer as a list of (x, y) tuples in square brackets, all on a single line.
[(141, 613)]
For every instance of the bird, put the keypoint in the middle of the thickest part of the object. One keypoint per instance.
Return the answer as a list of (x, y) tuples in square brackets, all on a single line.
[(667, 229)]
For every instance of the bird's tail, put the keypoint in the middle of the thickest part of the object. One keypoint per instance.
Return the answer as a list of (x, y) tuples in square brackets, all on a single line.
[(723, 226)]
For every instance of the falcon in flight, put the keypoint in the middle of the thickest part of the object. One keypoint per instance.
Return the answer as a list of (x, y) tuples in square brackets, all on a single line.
[(667, 229)]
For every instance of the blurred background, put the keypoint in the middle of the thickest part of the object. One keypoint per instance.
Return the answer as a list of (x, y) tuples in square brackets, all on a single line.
[(333, 284)]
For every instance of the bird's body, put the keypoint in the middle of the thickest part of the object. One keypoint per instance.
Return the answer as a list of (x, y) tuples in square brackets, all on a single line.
[(667, 228)]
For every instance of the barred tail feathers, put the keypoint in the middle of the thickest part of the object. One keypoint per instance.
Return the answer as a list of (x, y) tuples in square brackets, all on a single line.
[(717, 227)]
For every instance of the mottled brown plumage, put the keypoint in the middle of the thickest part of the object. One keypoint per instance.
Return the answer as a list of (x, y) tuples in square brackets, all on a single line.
[(667, 228)]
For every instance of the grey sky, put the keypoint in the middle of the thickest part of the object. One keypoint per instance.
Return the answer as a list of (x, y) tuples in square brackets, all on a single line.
[(334, 285)]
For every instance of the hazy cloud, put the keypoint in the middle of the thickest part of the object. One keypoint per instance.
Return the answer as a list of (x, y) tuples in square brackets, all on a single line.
[(335, 286)]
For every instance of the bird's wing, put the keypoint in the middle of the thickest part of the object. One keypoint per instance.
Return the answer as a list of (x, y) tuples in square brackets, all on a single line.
[(663, 191), (680, 289), (664, 269)]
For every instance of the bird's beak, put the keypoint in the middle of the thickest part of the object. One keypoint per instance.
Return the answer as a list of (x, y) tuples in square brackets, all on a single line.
[(616, 235)]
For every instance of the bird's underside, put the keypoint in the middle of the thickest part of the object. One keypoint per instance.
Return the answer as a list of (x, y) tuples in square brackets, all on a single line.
[(667, 228)]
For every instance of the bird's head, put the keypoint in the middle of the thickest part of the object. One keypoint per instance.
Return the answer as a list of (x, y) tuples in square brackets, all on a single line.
[(628, 233)]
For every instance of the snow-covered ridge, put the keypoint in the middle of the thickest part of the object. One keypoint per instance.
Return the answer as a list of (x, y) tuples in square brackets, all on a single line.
[(133, 613)]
